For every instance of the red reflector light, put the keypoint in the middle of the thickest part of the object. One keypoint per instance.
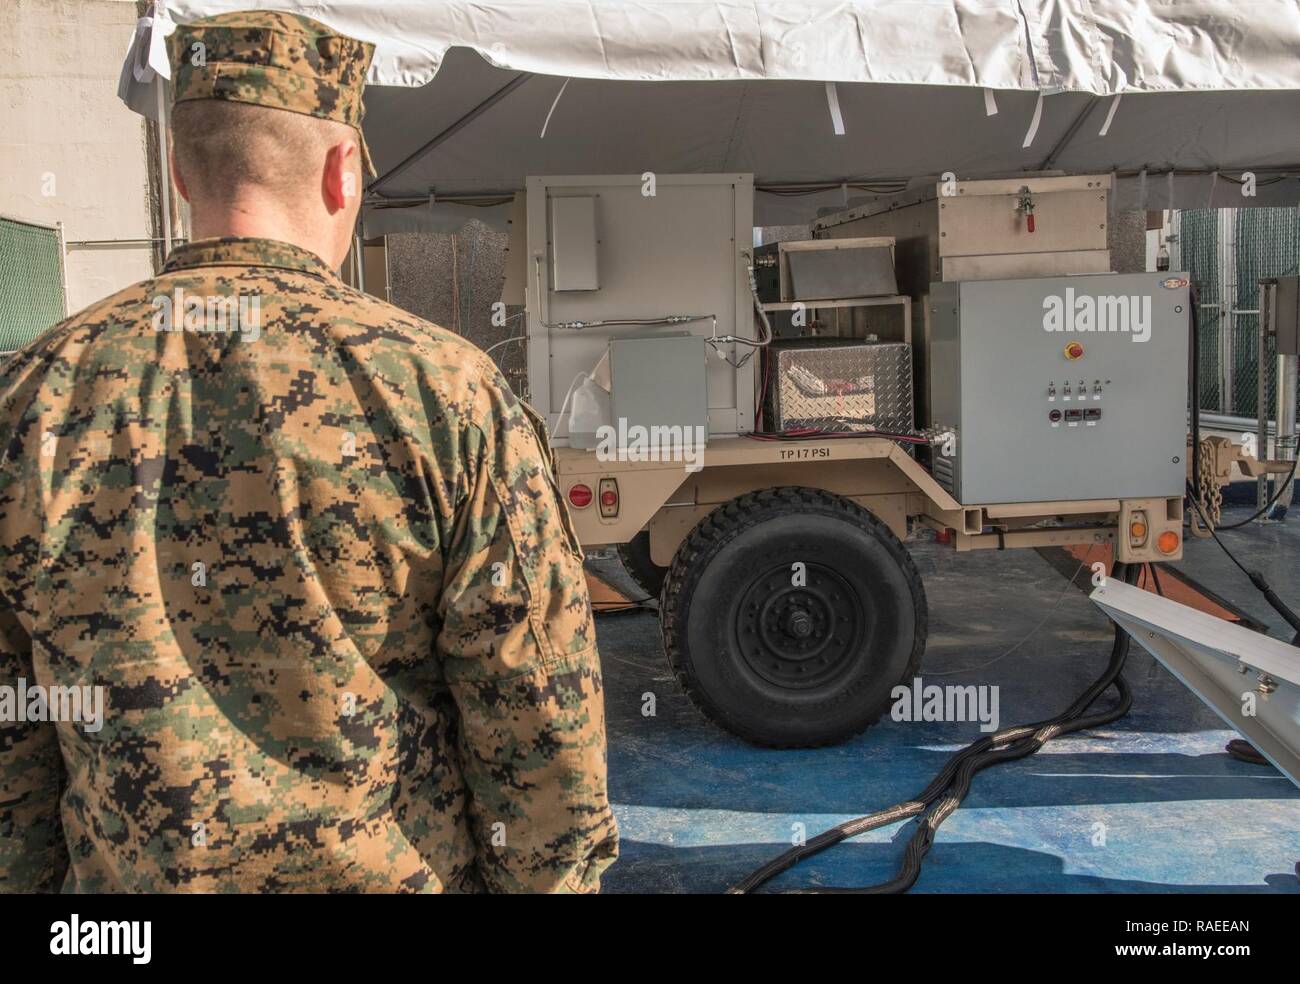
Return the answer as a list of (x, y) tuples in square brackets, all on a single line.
[(580, 496), (609, 498)]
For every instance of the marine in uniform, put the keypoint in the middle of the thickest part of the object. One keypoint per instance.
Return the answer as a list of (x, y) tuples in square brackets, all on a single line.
[(310, 549)]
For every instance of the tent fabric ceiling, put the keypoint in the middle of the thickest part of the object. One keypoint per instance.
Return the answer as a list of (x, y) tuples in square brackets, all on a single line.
[(1204, 86), (1097, 46)]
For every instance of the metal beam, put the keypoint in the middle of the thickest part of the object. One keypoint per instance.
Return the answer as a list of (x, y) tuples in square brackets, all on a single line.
[(1252, 681), (450, 131), (1061, 144)]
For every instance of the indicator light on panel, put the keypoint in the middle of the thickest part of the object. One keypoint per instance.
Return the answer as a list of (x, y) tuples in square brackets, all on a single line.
[(608, 498), (580, 496)]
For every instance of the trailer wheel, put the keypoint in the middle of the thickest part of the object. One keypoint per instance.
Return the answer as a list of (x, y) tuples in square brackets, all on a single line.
[(790, 614), (635, 554)]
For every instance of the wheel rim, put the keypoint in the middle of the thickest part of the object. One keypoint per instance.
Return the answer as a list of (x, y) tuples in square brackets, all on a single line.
[(799, 637)]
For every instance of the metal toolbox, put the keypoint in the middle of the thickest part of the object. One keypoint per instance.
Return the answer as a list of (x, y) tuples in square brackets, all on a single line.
[(837, 384)]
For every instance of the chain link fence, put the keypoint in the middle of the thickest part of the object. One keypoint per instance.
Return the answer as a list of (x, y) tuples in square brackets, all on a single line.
[(1227, 252), (32, 288)]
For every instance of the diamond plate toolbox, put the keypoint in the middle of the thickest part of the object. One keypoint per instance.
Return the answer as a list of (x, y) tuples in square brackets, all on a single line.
[(839, 384)]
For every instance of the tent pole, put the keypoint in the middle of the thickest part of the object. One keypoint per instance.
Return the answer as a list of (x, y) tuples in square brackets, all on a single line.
[(460, 124), (1068, 136)]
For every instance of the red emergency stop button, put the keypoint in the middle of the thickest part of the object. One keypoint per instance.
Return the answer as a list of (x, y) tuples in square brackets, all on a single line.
[(1074, 351)]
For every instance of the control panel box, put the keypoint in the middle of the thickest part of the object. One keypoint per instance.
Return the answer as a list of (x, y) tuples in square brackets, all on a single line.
[(612, 257), (1060, 388), (573, 243)]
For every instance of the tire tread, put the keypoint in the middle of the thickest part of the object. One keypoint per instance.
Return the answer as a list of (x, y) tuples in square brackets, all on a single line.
[(726, 522)]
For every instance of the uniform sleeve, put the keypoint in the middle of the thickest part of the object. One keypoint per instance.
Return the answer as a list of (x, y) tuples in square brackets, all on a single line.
[(33, 855), (519, 648)]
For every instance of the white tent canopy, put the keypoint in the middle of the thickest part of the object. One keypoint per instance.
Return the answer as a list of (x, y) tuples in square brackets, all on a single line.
[(825, 101)]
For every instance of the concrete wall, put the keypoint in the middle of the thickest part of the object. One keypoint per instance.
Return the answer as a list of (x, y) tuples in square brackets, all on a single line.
[(70, 150)]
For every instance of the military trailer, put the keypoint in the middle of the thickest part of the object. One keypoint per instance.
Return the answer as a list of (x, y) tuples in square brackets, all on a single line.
[(758, 428)]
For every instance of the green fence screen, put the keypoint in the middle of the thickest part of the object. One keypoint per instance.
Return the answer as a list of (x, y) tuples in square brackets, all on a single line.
[(31, 282), (1266, 243)]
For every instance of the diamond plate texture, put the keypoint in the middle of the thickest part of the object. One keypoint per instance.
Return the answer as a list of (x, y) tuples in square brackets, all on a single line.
[(833, 384)]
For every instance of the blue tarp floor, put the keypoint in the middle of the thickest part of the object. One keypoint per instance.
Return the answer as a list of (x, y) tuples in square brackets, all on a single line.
[(1151, 803)]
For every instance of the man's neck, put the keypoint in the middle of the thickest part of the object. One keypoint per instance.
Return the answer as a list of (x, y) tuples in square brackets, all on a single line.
[(256, 221)]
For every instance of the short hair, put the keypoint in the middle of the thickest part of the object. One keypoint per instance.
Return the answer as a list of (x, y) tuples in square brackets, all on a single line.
[(223, 147)]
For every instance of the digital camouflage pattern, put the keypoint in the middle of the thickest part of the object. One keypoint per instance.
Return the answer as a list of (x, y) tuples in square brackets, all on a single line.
[(273, 59), (327, 581)]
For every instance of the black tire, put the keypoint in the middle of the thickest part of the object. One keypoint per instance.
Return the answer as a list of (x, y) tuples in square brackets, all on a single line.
[(648, 575), (793, 683)]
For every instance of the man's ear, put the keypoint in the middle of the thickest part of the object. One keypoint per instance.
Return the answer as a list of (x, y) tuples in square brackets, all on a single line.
[(178, 179), (341, 180)]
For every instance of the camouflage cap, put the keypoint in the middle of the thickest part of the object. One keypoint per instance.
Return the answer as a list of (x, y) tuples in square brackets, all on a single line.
[(270, 58)]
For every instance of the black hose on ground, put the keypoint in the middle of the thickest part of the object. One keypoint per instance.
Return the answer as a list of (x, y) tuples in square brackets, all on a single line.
[(947, 790)]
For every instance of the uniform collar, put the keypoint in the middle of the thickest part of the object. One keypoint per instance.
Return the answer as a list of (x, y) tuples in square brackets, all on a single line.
[(237, 251)]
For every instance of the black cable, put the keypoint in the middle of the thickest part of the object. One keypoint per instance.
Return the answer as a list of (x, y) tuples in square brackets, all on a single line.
[(952, 783), (1256, 578), (1155, 579), (814, 434), (1268, 505), (618, 607), (1193, 302)]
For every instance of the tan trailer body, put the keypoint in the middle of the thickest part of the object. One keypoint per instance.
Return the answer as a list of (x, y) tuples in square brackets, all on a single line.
[(668, 501)]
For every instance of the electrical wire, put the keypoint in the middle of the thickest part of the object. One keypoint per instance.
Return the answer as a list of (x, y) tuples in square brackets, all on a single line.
[(814, 433), (1195, 493), (715, 341), (1256, 577), (619, 607), (505, 341), (1268, 505), (947, 790), (1028, 635), (1155, 579), (668, 319)]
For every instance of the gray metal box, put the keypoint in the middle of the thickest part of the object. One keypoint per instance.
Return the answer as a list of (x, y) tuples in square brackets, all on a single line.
[(573, 243), (659, 381), (677, 252), (848, 271), (1036, 421), (841, 385)]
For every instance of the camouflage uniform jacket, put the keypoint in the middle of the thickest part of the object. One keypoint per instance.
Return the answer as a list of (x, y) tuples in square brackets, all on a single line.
[(320, 568)]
